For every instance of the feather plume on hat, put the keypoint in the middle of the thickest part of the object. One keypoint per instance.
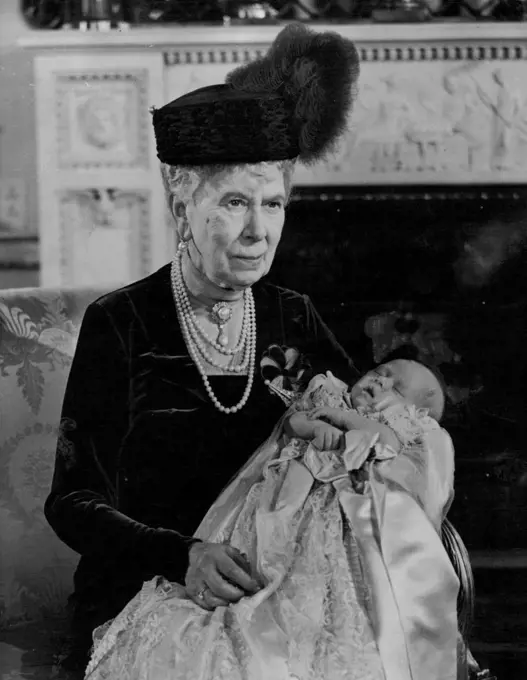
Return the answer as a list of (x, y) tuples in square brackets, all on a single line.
[(317, 73)]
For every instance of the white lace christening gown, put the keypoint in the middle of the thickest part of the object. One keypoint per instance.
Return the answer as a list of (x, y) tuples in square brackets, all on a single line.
[(357, 586)]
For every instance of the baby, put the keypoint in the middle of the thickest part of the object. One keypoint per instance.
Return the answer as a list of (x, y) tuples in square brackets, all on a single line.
[(399, 402), (398, 383), (384, 433)]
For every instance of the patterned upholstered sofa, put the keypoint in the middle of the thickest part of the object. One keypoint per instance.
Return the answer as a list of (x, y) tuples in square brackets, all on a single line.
[(38, 331)]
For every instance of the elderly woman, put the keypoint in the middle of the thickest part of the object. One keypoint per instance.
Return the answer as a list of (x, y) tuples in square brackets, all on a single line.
[(166, 399)]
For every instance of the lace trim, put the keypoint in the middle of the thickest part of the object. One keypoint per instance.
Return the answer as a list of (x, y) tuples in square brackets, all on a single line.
[(323, 390), (408, 422)]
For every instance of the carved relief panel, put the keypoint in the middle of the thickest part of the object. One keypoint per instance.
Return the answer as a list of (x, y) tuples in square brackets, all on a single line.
[(425, 115), (442, 122), (104, 236), (102, 119)]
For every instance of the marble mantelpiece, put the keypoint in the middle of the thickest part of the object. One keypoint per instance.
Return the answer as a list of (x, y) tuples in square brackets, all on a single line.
[(439, 104)]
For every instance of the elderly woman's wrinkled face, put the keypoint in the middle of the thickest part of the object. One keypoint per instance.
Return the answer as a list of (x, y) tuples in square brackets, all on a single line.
[(236, 222)]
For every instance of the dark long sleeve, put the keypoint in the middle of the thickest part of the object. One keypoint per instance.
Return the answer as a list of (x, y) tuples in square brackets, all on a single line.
[(82, 505)]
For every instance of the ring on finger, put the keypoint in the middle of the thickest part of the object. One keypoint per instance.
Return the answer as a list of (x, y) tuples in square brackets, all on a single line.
[(201, 594)]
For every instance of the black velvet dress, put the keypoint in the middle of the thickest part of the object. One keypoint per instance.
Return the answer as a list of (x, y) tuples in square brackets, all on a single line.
[(142, 452)]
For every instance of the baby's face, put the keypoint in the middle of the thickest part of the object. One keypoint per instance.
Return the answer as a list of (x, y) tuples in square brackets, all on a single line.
[(394, 382)]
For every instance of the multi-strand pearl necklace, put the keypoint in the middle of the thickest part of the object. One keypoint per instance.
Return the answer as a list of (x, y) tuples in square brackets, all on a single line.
[(196, 337)]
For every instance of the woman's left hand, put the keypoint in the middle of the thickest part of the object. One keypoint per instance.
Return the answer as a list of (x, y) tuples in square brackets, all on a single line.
[(217, 575)]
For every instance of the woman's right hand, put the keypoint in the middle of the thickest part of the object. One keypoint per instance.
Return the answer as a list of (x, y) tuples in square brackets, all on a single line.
[(215, 577)]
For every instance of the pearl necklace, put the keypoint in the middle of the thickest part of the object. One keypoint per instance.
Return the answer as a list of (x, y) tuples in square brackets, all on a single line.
[(192, 326), (192, 331)]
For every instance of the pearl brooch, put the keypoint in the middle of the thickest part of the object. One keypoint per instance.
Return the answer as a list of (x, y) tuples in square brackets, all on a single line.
[(221, 315)]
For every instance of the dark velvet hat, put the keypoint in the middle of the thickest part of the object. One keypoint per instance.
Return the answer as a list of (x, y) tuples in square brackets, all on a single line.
[(293, 103)]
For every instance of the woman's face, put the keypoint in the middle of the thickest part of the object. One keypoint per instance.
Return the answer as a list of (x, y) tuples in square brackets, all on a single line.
[(236, 222)]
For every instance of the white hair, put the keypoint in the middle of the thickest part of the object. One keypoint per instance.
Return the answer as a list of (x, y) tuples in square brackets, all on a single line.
[(183, 182)]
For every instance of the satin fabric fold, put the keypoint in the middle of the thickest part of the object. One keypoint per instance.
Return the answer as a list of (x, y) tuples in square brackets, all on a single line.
[(414, 586)]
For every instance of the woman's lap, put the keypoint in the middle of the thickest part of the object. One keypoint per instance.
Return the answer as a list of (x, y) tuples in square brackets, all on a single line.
[(314, 623)]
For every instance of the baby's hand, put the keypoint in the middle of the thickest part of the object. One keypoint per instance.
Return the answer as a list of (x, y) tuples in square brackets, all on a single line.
[(335, 416), (326, 437)]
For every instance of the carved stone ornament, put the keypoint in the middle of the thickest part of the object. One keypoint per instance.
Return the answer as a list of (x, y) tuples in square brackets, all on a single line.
[(434, 113), (104, 235), (461, 122), (99, 119), (102, 119)]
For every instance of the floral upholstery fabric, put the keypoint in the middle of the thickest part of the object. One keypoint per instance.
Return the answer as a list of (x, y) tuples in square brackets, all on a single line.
[(38, 331)]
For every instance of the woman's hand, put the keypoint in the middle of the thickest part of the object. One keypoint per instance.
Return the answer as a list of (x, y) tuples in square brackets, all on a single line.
[(216, 577), (326, 437)]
